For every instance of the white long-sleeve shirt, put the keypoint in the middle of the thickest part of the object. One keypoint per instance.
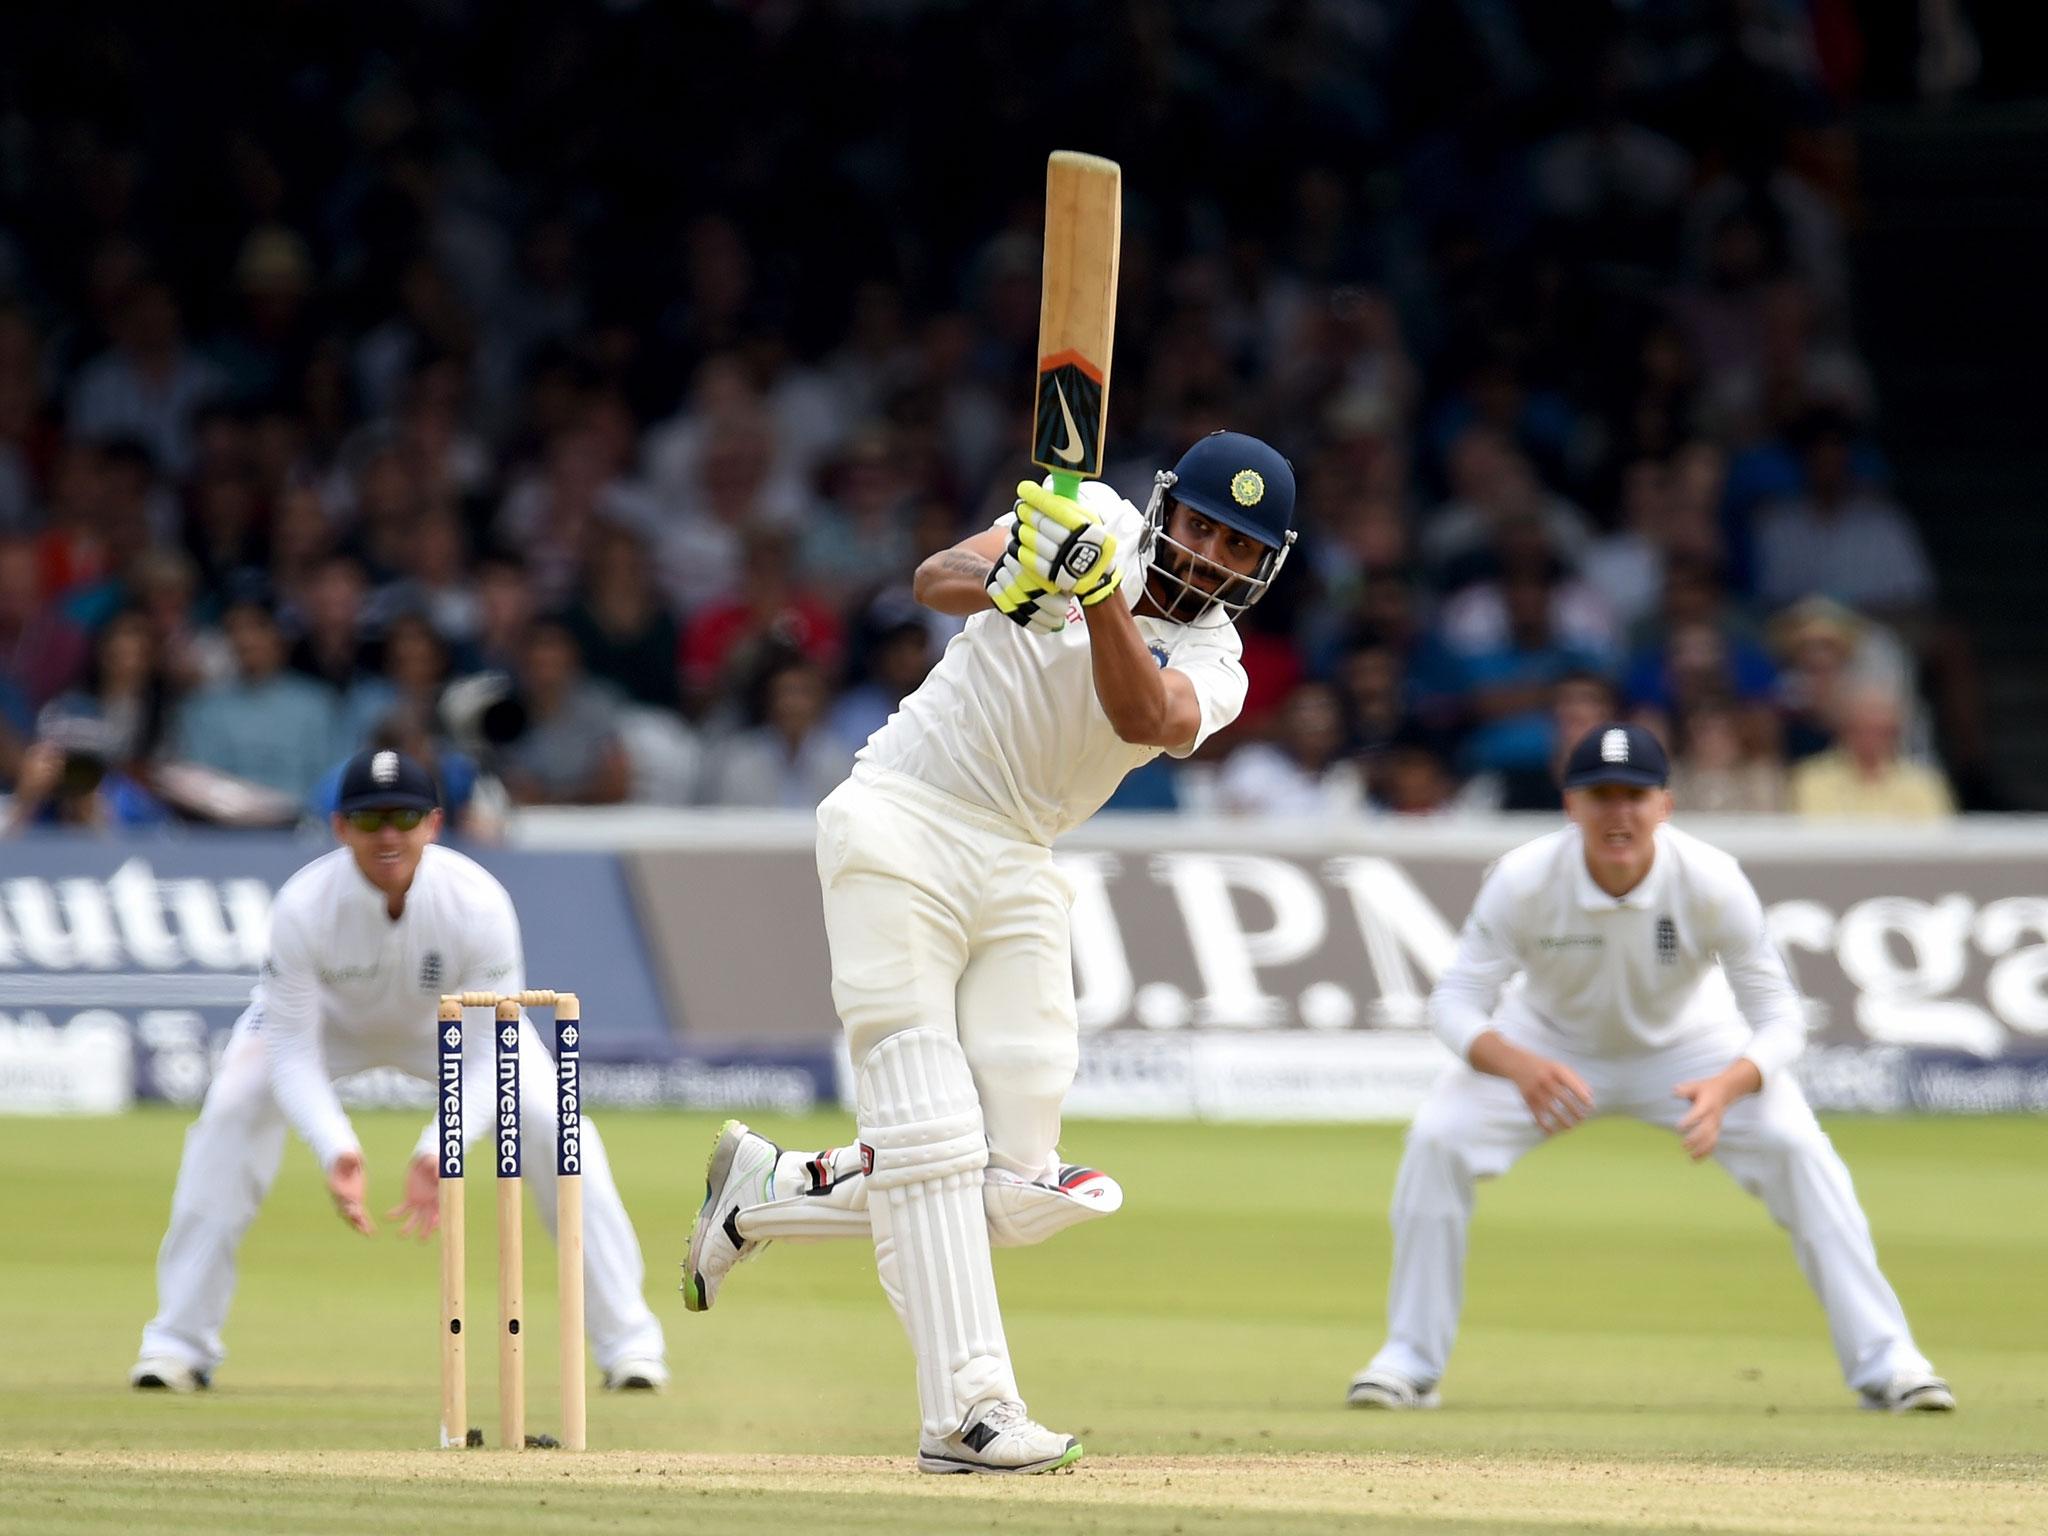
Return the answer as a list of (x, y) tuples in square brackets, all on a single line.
[(346, 985), (1615, 976)]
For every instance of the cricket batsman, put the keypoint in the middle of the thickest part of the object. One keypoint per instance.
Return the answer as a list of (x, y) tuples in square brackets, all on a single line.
[(1650, 987), (1096, 639), (363, 942)]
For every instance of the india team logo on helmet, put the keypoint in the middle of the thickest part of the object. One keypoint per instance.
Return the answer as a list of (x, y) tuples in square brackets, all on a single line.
[(1241, 483)]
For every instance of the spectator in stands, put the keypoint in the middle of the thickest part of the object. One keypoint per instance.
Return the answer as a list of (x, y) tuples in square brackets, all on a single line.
[(1717, 769), (1373, 691), (41, 651), (265, 724), (569, 752), (1411, 778), (331, 647), (1863, 775), (859, 539), (149, 385), (1825, 648), (1842, 539), (626, 634), (69, 780), (408, 685), (1507, 686), (898, 650), (505, 609), (264, 349), (224, 528), (1492, 484), (703, 549), (438, 580), (1579, 701), (727, 641), (1302, 771), (73, 548), (124, 689), (790, 758), (302, 543), (1475, 618), (1698, 645)]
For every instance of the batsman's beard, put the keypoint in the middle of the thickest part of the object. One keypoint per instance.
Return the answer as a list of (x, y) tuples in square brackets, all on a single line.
[(1175, 583)]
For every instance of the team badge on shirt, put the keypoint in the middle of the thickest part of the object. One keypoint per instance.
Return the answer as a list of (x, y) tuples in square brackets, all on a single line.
[(1667, 941), (430, 971)]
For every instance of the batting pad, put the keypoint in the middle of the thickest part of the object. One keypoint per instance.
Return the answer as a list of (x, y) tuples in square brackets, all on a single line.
[(1020, 1211), (920, 1120), (1024, 1211)]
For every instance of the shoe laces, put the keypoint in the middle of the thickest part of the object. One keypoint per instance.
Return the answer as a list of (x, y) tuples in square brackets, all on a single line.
[(1005, 1413)]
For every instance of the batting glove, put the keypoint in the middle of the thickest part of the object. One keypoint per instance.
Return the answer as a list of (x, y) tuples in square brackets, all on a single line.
[(1064, 546), (1022, 599)]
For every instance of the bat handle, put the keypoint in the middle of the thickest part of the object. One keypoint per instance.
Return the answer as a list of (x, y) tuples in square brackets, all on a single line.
[(1066, 485)]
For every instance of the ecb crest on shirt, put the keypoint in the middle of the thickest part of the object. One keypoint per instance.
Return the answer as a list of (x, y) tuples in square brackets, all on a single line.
[(1667, 941), (431, 972)]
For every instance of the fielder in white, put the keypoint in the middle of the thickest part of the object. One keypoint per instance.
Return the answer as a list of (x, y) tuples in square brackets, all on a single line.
[(363, 942), (948, 922), (1617, 924)]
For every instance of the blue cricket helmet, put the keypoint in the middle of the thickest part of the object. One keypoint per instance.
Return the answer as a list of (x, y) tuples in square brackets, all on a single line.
[(1240, 482)]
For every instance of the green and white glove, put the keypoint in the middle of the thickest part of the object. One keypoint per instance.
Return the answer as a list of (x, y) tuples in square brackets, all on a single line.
[(1064, 546)]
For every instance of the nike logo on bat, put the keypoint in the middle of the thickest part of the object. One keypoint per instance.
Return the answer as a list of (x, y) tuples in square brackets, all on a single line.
[(1070, 450)]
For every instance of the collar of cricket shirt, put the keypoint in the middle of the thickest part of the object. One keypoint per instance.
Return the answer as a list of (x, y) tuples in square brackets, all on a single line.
[(1591, 898)]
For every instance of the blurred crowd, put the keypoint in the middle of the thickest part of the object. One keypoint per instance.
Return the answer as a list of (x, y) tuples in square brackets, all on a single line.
[(567, 393)]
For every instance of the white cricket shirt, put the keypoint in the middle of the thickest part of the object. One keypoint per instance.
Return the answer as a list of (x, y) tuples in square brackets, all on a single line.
[(1613, 976), (340, 966), (1008, 720)]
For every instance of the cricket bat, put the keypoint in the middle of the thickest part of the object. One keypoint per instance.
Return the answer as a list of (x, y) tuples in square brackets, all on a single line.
[(1084, 215)]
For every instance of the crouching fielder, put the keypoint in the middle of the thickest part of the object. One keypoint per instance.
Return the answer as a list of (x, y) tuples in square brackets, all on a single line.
[(363, 942), (1613, 923), (948, 922)]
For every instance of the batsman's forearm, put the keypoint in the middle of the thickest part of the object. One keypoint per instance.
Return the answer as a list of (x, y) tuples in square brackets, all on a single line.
[(954, 581), (1128, 679)]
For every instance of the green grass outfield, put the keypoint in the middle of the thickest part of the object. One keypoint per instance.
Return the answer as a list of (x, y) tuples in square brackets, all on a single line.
[(1640, 1353)]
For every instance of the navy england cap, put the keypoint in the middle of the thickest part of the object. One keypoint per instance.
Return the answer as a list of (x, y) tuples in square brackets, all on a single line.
[(376, 781), (1617, 754)]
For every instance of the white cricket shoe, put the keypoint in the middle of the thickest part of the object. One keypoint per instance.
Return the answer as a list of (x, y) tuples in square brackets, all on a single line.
[(1911, 1392), (165, 1373), (1002, 1440), (636, 1376), (741, 1173), (1390, 1389)]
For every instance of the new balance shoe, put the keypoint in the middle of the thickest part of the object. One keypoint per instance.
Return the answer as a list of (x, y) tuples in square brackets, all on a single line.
[(162, 1373), (1390, 1389), (741, 1173), (1911, 1392), (1002, 1440)]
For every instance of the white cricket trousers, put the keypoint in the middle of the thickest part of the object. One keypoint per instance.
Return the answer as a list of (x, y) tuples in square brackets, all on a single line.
[(941, 916), (1473, 1126), (232, 1153)]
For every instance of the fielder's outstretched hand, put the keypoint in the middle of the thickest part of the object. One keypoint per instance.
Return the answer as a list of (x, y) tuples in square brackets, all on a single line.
[(349, 1184), (419, 1213), (1064, 546)]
